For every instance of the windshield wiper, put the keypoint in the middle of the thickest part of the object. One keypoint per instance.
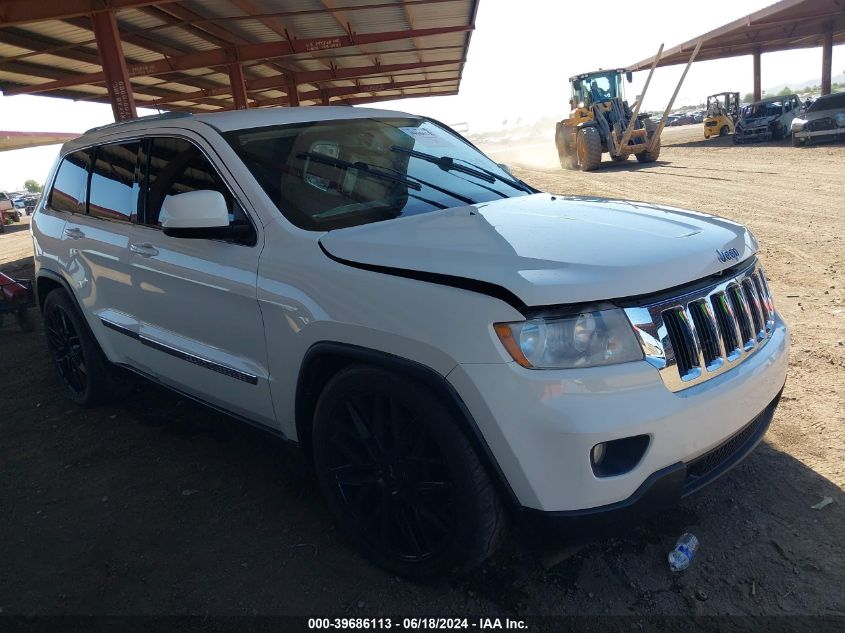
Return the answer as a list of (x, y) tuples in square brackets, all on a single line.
[(448, 192), (362, 167), (448, 163)]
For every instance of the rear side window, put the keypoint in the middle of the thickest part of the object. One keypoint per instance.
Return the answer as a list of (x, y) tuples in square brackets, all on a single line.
[(114, 190), (69, 188), (177, 166)]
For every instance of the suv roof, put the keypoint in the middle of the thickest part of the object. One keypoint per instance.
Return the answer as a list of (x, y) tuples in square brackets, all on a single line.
[(237, 119)]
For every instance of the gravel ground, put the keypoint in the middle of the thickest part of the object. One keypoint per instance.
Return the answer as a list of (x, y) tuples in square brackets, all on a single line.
[(159, 506)]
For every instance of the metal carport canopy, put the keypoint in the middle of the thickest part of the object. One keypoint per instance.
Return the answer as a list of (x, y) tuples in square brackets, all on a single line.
[(785, 25), (211, 55)]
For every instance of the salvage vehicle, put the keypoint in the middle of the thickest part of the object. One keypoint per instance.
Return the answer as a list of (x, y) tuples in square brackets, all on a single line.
[(824, 120), (452, 349), (722, 114), (767, 120)]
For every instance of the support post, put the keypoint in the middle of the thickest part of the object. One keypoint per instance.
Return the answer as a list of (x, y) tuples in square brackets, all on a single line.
[(630, 129), (293, 95), (236, 81), (827, 58), (325, 99), (758, 94), (655, 139), (114, 66)]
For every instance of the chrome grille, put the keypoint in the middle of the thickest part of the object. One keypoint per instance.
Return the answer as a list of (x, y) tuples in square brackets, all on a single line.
[(701, 334)]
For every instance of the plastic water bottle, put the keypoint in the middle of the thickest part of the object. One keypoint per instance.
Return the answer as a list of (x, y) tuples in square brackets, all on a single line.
[(681, 557)]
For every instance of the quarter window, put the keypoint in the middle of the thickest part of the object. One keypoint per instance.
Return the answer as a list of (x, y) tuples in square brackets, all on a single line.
[(69, 188), (114, 190)]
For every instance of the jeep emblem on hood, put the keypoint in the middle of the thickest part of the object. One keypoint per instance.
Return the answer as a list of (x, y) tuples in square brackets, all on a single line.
[(727, 254)]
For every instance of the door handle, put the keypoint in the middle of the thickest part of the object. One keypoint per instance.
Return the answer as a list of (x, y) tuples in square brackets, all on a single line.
[(144, 250), (74, 233)]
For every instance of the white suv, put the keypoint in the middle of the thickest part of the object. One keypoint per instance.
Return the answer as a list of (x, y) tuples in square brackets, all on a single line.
[(448, 345)]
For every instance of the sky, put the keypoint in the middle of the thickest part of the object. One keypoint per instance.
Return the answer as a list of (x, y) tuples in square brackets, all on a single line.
[(519, 62)]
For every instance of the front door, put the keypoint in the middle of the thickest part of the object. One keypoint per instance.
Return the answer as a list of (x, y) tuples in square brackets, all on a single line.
[(200, 327)]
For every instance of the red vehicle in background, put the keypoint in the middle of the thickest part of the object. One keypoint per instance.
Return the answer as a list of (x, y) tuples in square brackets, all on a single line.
[(16, 297)]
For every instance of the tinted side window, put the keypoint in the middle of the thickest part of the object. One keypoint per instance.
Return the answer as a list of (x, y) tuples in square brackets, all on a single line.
[(114, 190), (178, 166), (68, 193)]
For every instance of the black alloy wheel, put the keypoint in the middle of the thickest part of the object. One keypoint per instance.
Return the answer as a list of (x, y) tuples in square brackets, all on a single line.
[(83, 368), (401, 476), (66, 348)]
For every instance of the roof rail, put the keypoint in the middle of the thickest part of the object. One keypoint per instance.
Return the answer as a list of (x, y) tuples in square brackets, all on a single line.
[(150, 117)]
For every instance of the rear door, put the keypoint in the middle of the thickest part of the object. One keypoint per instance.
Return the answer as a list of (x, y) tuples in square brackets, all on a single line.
[(198, 323), (98, 239)]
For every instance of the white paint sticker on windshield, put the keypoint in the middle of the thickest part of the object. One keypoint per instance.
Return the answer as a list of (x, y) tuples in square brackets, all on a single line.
[(425, 138)]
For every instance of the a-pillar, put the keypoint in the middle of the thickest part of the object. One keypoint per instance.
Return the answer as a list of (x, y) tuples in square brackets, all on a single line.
[(236, 81), (114, 65)]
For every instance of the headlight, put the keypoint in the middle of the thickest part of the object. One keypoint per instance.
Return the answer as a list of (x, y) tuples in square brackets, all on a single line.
[(591, 338), (798, 125)]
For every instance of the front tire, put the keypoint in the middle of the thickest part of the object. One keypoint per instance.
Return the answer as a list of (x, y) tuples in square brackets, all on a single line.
[(401, 477), (723, 131), (588, 148), (78, 359)]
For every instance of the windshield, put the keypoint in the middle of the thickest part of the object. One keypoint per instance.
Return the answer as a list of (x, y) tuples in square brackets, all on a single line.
[(325, 175), (596, 88), (831, 102), (768, 108)]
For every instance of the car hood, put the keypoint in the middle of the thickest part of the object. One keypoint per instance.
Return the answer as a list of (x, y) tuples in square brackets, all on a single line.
[(547, 249)]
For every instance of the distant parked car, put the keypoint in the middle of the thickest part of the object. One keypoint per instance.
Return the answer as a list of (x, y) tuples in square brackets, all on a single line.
[(823, 121), (8, 212)]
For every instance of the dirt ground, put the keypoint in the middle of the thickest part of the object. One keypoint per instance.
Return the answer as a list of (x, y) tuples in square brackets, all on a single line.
[(157, 505)]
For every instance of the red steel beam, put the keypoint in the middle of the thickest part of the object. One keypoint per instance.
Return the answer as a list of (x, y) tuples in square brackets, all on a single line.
[(236, 81), (114, 66), (22, 11), (327, 93), (307, 77), (243, 53)]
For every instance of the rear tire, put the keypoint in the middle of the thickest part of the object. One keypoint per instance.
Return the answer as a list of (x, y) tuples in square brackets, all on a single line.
[(401, 477), (588, 148), (651, 155), (76, 355)]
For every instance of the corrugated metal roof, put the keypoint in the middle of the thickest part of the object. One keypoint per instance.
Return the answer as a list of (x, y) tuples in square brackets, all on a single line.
[(177, 52)]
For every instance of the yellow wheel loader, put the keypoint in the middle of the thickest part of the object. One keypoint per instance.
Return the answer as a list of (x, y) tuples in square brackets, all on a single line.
[(599, 123), (722, 114)]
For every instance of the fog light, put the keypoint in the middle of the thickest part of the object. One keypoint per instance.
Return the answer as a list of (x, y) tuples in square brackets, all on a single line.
[(598, 453)]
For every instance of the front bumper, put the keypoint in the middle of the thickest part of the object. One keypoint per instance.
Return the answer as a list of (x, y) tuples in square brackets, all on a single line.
[(541, 426), (661, 490), (759, 133)]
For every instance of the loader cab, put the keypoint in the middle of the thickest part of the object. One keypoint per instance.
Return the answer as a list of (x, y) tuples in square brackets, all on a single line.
[(595, 88)]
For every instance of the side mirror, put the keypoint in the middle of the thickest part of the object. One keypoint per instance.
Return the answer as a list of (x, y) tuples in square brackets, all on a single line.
[(201, 214)]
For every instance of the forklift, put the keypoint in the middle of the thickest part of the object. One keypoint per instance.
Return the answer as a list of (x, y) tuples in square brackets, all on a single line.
[(722, 114)]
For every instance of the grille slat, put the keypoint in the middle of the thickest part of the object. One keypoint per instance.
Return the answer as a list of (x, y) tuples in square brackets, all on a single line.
[(728, 327), (705, 327), (756, 307), (706, 331), (682, 340), (742, 316)]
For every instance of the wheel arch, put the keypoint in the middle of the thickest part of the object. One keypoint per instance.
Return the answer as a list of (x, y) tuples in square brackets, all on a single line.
[(46, 281), (325, 359)]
